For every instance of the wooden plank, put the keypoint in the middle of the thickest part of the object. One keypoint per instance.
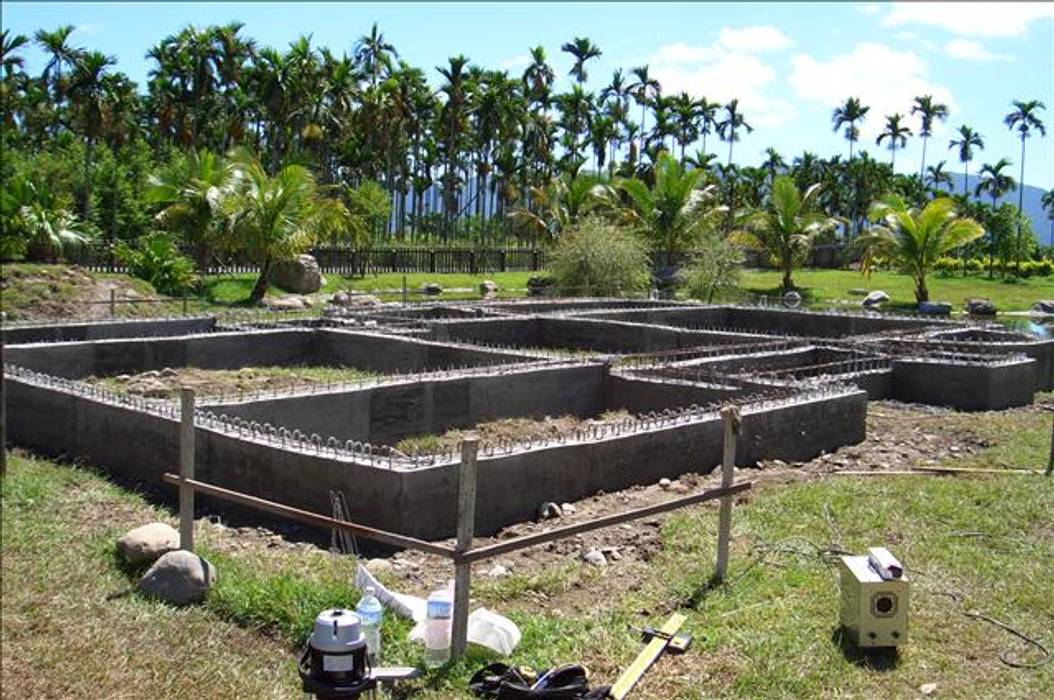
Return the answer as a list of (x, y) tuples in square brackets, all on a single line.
[(648, 656), (1050, 464), (932, 471), (186, 469), (305, 516), (466, 523), (493, 550), (730, 418)]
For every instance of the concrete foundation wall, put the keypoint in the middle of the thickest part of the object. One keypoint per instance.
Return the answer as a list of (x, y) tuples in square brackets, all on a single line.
[(643, 396), (100, 330), (965, 387)]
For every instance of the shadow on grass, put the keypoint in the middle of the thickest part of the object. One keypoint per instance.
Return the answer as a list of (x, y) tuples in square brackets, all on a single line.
[(875, 659)]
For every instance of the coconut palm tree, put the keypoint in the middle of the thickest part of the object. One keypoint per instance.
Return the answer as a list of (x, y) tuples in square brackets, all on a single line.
[(582, 49), (967, 141), (936, 176), (787, 225), (271, 218), (707, 112), (1024, 119), (87, 93), (62, 55), (564, 201), (729, 127), (849, 114), (897, 134), (673, 212), (9, 46), (644, 90), (993, 181), (915, 239), (36, 223), (929, 110)]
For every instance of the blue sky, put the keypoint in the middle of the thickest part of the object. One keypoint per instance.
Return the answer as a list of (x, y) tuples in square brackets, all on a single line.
[(788, 63)]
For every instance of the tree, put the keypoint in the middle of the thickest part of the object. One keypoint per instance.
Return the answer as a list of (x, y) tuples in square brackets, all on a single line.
[(9, 45), (729, 127), (915, 239), (86, 91), (967, 141), (563, 202), (786, 227), (598, 258), (929, 110), (674, 212), (849, 114), (1048, 206), (62, 55), (271, 218), (582, 50), (644, 90), (897, 134), (374, 54), (993, 181), (36, 223), (1024, 119), (936, 176)]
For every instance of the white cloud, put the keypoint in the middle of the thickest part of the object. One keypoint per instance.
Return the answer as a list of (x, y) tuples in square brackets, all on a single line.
[(754, 39), (727, 69), (521, 61), (969, 50), (883, 78), (993, 19), (869, 8)]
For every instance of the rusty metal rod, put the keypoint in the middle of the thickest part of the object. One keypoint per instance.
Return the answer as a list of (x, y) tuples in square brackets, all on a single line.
[(309, 517), (493, 550)]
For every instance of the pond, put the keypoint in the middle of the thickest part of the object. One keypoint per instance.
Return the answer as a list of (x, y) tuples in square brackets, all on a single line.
[(1039, 327)]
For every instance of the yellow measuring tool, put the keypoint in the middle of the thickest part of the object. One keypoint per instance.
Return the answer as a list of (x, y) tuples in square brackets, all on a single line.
[(666, 638)]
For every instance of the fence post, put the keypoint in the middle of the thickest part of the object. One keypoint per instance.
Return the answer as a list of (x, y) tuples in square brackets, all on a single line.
[(186, 468), (1050, 464), (184, 303), (406, 300), (3, 415), (730, 417), (466, 522), (113, 303)]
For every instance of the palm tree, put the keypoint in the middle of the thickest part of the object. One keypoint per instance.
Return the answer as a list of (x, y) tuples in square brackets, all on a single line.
[(582, 49), (849, 114), (674, 212), (773, 163), (9, 44), (1048, 206), (967, 141), (897, 134), (37, 222), (786, 227), (936, 176), (728, 128), (87, 91), (374, 54), (929, 110), (273, 218), (993, 181), (915, 239), (564, 201), (62, 55), (1024, 119), (644, 90)]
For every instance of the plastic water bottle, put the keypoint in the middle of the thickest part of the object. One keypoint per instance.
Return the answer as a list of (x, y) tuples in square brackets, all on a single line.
[(438, 617), (370, 612)]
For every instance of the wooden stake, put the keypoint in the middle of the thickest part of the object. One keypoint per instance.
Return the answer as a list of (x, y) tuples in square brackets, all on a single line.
[(186, 468), (466, 522), (730, 417), (113, 303), (3, 415), (1050, 464)]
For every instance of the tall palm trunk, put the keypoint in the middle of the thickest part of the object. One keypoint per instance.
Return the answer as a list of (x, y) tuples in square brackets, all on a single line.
[(1020, 210), (922, 293), (260, 288), (922, 170)]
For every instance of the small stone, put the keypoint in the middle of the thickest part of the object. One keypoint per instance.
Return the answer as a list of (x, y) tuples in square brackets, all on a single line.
[(665, 484), (150, 374), (928, 688), (379, 566), (431, 288), (567, 509), (123, 377), (1044, 306), (595, 557), (488, 287), (179, 578), (980, 307), (875, 299), (549, 510), (147, 543), (169, 372), (497, 571)]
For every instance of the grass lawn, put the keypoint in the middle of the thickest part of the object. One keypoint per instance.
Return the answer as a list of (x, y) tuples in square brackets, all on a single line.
[(771, 632), (820, 286)]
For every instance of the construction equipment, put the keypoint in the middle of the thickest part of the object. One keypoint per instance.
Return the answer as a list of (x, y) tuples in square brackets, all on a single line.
[(657, 642), (875, 598)]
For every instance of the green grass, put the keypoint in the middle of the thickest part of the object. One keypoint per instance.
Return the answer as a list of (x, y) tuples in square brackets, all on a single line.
[(771, 632), (820, 286), (218, 381)]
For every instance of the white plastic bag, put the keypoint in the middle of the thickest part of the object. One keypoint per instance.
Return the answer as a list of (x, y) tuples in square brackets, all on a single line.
[(486, 628)]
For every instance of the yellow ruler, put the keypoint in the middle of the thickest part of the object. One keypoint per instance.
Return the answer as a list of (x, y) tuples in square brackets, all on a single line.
[(649, 655)]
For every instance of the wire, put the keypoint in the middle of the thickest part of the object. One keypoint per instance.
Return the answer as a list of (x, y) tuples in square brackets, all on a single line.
[(1004, 656)]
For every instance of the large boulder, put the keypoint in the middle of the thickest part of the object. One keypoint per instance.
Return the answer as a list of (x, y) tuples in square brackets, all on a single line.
[(935, 308), (1044, 306), (431, 289), (287, 303), (488, 288), (145, 544), (300, 275), (980, 307), (179, 578), (875, 299)]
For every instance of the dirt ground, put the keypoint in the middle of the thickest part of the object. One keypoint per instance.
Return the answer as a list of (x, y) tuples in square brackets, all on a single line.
[(899, 436), (38, 292), (165, 383)]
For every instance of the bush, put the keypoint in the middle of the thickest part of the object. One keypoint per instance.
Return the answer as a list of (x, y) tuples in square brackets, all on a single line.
[(596, 258), (714, 266), (158, 261)]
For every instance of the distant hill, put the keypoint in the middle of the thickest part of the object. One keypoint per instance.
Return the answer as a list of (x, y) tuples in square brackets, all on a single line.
[(1033, 205)]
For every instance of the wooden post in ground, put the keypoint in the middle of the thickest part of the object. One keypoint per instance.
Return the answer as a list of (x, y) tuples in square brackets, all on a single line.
[(1050, 463), (730, 418), (3, 415), (466, 522), (406, 298), (184, 303), (113, 303), (186, 468)]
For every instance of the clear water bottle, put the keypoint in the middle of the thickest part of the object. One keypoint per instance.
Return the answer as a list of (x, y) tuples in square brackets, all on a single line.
[(439, 615), (370, 612)]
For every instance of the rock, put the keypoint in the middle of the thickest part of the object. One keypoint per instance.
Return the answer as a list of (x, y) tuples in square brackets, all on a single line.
[(665, 484), (349, 299), (980, 307), (431, 289), (289, 303), (169, 372), (668, 278), (300, 275), (488, 287), (151, 374), (928, 688), (123, 377), (497, 571), (1044, 306), (875, 298), (379, 566), (147, 543), (549, 510), (567, 509), (595, 557), (935, 308), (539, 285), (150, 388), (179, 578)]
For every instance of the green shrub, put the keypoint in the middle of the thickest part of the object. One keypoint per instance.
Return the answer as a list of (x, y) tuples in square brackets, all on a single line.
[(597, 258), (158, 261), (714, 267)]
